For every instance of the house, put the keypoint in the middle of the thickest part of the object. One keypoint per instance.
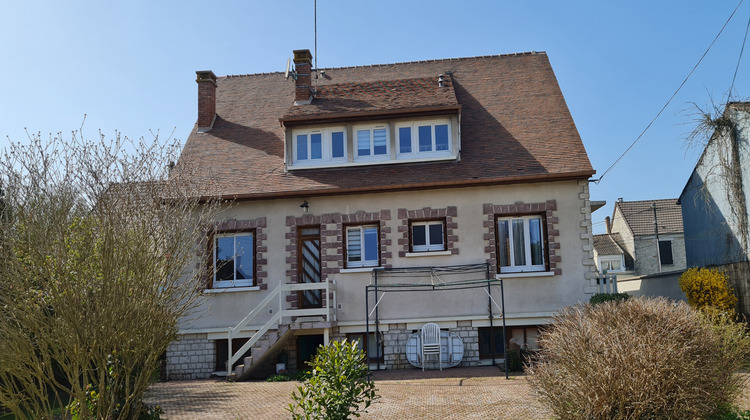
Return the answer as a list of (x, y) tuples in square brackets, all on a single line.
[(715, 203), (408, 173), (643, 238)]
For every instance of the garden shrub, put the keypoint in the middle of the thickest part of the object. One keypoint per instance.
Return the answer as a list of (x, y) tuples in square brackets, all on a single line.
[(339, 386), (515, 364), (639, 359), (606, 297), (708, 288)]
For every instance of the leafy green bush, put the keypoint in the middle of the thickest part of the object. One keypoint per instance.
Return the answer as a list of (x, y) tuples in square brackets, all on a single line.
[(708, 288), (639, 359), (607, 297), (339, 385), (515, 363)]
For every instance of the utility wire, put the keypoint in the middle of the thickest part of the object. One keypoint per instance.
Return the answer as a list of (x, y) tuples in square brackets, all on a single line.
[(739, 59), (672, 97)]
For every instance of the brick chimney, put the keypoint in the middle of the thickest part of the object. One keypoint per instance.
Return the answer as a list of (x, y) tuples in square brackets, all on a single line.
[(302, 68), (206, 99)]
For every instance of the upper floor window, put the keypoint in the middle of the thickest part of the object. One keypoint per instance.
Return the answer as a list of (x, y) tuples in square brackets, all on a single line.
[(665, 252), (362, 246), (318, 146), (428, 236), (610, 264), (372, 142), (423, 138), (520, 243), (233, 259)]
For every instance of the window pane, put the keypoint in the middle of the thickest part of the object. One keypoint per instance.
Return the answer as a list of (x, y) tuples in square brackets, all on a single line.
[(418, 235), (503, 237), (519, 248), (380, 141), (436, 234), (373, 351), (354, 244), (441, 137), (224, 258), (425, 138), (371, 244), (535, 237), (337, 144), (302, 147), (363, 142), (244, 257), (316, 146), (404, 139), (614, 265)]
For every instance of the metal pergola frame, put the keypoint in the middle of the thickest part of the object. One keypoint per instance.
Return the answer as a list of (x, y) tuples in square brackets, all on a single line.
[(439, 285)]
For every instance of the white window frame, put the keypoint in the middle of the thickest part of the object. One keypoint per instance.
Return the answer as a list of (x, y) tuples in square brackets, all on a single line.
[(528, 267), (326, 146), (234, 282), (428, 246), (414, 130), (607, 259), (363, 247), (372, 156)]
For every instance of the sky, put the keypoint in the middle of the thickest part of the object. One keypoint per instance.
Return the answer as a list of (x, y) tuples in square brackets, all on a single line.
[(129, 67)]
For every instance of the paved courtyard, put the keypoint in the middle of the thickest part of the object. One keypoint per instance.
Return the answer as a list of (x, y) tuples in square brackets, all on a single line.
[(457, 393)]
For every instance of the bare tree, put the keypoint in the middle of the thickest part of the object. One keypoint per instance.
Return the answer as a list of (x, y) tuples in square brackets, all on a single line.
[(98, 256)]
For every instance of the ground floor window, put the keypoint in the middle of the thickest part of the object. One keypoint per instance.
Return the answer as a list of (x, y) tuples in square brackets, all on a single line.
[(369, 346), (524, 337), (491, 340)]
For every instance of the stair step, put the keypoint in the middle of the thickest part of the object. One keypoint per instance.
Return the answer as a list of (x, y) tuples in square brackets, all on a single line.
[(248, 361)]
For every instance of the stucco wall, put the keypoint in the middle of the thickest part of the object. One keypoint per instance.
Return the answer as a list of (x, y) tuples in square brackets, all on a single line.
[(530, 298), (646, 257)]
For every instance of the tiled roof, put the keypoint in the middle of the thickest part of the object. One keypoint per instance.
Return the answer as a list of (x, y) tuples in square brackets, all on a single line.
[(605, 244), (515, 127), (640, 216), (380, 96)]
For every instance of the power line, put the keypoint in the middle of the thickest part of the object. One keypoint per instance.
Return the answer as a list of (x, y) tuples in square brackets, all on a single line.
[(672, 97), (742, 50)]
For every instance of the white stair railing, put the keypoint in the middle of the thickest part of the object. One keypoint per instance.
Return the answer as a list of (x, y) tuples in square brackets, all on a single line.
[(329, 311)]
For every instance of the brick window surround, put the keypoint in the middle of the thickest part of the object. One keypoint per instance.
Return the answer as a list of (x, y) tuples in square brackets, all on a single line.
[(449, 214), (547, 209), (258, 226), (332, 238)]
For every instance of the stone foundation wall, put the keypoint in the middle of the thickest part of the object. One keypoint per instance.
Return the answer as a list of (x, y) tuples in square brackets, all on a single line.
[(470, 337), (394, 343), (191, 356)]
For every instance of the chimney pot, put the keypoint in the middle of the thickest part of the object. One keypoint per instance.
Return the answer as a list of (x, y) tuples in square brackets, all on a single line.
[(206, 80), (303, 69), (608, 223)]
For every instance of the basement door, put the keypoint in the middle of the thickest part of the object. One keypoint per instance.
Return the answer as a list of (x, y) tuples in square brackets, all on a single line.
[(309, 266)]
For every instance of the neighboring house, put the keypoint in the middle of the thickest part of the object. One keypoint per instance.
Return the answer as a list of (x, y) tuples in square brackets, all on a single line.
[(650, 235), (348, 174), (715, 201), (609, 255)]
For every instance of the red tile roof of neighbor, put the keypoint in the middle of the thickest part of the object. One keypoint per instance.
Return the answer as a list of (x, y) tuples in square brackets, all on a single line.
[(640, 217), (515, 127)]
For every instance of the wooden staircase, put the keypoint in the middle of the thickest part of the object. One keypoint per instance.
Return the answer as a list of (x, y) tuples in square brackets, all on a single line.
[(268, 339)]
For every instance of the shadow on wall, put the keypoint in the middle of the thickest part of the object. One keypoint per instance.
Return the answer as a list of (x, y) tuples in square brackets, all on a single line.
[(709, 239)]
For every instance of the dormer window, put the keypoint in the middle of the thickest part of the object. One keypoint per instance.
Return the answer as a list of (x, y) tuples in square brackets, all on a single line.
[(372, 142), (423, 139), (315, 147)]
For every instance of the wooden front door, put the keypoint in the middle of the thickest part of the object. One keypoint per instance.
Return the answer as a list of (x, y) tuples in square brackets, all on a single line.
[(309, 266)]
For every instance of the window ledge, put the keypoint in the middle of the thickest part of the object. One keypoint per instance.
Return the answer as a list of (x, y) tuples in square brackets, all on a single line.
[(525, 274), (358, 270), (232, 289), (427, 254)]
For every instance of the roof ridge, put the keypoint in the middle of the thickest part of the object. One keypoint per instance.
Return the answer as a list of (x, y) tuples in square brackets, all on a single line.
[(400, 63)]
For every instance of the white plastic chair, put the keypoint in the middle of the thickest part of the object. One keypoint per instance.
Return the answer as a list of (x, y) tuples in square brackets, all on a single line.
[(430, 336)]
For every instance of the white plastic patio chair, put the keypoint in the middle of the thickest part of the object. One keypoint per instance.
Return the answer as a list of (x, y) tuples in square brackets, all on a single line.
[(430, 336)]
